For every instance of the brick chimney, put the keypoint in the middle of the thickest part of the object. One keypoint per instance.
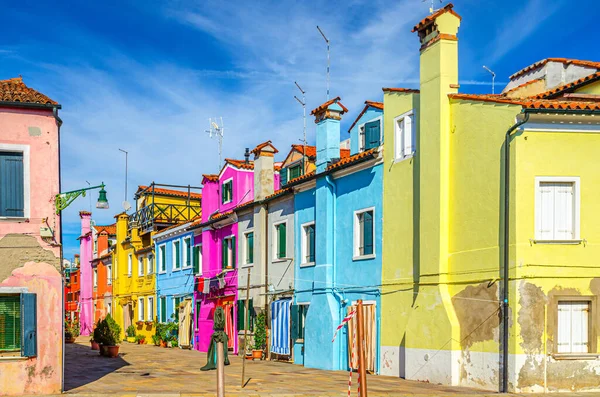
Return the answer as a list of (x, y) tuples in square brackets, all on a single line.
[(264, 170), (327, 118)]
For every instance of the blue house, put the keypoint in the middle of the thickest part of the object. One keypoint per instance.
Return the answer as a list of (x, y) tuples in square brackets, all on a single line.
[(178, 258), (338, 215)]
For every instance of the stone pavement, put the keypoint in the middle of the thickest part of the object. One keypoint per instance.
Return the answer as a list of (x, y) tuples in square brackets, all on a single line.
[(146, 369)]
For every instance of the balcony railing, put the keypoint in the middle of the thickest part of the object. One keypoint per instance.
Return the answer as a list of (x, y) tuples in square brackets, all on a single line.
[(155, 215)]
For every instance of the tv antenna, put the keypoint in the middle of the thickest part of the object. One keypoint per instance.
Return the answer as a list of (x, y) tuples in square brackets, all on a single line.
[(217, 130), (493, 76), (303, 103), (431, 9), (326, 41)]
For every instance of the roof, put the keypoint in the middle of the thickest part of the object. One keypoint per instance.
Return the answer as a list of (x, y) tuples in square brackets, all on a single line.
[(263, 145), (14, 90), (567, 61), (241, 164), (569, 86), (368, 104), (327, 104), (110, 229), (531, 103), (406, 90), (428, 20), (311, 151), (211, 177), (167, 192), (354, 159)]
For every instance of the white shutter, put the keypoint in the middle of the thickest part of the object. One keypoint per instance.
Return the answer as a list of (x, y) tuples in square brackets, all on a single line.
[(546, 211), (579, 327), (564, 327), (407, 132), (398, 139), (563, 211)]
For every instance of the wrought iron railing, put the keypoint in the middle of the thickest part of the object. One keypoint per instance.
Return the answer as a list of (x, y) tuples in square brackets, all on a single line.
[(156, 215)]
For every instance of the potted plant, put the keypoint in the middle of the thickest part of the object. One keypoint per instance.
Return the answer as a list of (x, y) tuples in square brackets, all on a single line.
[(161, 333), (102, 335), (110, 335), (69, 333), (156, 340), (260, 336), (130, 333), (95, 339), (140, 339)]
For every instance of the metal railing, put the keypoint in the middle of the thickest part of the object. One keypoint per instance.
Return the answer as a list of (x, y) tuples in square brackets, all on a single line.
[(155, 215)]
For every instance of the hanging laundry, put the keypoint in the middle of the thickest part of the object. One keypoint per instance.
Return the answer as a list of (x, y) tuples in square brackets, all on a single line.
[(206, 288), (221, 279), (280, 326), (229, 328), (200, 284)]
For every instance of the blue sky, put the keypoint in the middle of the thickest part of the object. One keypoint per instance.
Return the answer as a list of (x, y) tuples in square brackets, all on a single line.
[(145, 76)]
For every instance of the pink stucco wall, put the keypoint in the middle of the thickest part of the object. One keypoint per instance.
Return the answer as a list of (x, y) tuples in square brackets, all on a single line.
[(86, 316)]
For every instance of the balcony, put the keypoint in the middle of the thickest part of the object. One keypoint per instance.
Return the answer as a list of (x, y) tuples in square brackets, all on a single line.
[(156, 216)]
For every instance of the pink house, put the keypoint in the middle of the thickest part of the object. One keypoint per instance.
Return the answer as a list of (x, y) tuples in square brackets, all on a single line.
[(86, 314), (221, 195), (31, 289)]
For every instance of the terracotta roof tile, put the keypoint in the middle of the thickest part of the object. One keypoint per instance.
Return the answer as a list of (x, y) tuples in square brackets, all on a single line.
[(355, 158), (210, 177), (368, 104), (428, 20), (570, 86), (263, 145), (167, 192), (326, 105), (14, 90), (301, 177), (241, 164), (110, 229), (567, 61), (406, 90), (278, 193), (531, 103), (311, 151)]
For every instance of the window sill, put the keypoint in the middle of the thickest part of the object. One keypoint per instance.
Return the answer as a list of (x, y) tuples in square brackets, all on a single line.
[(187, 267), (556, 242), (277, 260), (163, 272), (410, 156), (363, 257), (14, 218), (175, 270), (576, 356), (245, 265), (307, 264), (13, 358)]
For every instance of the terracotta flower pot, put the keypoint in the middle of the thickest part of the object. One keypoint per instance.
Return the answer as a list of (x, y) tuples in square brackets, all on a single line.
[(103, 350), (112, 351), (70, 340), (95, 345), (257, 354), (163, 343)]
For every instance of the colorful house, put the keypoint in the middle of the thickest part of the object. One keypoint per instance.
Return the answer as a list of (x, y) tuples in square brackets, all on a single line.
[(178, 263), (490, 209), (72, 291), (101, 266), (31, 287), (86, 252), (339, 205), (134, 267)]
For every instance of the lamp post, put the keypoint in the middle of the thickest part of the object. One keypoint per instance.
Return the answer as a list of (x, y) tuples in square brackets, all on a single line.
[(63, 200)]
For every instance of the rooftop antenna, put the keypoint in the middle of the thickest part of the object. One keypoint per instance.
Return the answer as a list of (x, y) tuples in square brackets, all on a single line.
[(326, 41), (303, 103), (431, 9), (216, 131), (493, 76)]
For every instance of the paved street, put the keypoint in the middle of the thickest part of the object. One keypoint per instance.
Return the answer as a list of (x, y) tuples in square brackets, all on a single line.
[(147, 369)]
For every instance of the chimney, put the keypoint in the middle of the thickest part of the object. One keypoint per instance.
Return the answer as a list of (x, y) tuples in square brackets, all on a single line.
[(263, 170), (327, 118), (86, 218), (247, 156)]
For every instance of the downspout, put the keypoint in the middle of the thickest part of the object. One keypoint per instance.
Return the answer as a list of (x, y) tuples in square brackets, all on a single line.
[(267, 250), (505, 281)]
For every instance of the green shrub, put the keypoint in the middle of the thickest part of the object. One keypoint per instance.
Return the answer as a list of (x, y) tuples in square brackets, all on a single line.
[(109, 331), (130, 331), (140, 338), (260, 332), (96, 334), (156, 340)]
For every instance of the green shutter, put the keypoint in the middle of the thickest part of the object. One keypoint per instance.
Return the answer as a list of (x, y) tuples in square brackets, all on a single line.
[(163, 258), (233, 250), (368, 232), (372, 134), (240, 315), (223, 187), (10, 322), (283, 176), (294, 315), (311, 243), (250, 248), (197, 259), (224, 253), (251, 314), (163, 309), (281, 252), (28, 325)]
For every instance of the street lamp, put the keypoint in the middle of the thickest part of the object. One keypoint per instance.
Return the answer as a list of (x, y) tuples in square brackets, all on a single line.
[(63, 200)]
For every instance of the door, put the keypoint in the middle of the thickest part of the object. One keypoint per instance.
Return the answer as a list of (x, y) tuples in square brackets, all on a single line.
[(298, 315), (127, 316), (370, 337)]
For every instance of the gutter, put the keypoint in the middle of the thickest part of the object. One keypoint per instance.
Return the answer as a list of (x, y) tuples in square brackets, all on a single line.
[(32, 105)]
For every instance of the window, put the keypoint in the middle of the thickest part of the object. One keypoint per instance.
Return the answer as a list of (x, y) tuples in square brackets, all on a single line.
[(70, 296), (197, 258), (370, 134), (109, 308), (163, 309), (141, 309), (302, 310), (187, 252), (129, 265), (364, 232), (404, 136), (140, 266), (18, 324), (198, 306), (109, 274), (95, 278), (150, 268), (75, 278), (150, 316), (14, 180), (162, 258), (228, 253), (280, 241), (176, 302), (573, 327), (176, 255), (227, 191), (308, 243), (295, 171), (249, 248), (557, 208), (242, 315)]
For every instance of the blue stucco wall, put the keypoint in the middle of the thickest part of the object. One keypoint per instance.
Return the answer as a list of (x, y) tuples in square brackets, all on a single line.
[(370, 115)]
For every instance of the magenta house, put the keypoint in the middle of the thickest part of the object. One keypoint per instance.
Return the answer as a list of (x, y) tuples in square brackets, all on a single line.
[(218, 285), (86, 314)]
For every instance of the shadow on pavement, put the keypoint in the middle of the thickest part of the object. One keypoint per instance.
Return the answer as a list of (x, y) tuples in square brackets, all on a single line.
[(84, 365)]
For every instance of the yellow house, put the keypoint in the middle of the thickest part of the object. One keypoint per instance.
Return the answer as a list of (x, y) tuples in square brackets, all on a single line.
[(463, 302), (134, 265)]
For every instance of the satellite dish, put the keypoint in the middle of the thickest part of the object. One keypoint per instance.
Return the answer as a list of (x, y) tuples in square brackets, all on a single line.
[(126, 205)]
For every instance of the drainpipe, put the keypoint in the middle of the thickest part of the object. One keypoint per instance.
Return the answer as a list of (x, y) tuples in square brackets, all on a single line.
[(267, 251)]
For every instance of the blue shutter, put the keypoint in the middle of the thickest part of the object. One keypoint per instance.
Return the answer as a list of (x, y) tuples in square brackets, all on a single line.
[(372, 134), (311, 243), (283, 176), (295, 330), (11, 184), (28, 325)]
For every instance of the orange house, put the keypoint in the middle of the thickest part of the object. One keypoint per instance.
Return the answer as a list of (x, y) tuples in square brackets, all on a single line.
[(102, 271), (72, 292)]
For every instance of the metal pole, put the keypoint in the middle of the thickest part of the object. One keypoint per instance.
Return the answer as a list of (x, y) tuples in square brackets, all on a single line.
[(126, 163), (327, 41), (303, 103), (246, 321), (220, 370), (360, 336)]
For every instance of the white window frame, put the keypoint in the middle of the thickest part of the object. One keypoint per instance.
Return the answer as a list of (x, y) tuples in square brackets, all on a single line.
[(356, 233), (140, 266), (400, 144), (162, 267), (174, 255), (588, 325), (575, 180), (224, 183), (176, 308), (304, 245), (362, 136), (187, 245), (150, 309), (109, 274), (199, 259), (230, 251), (141, 309), (150, 264), (275, 241), (25, 150), (95, 276), (129, 264), (245, 248)]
